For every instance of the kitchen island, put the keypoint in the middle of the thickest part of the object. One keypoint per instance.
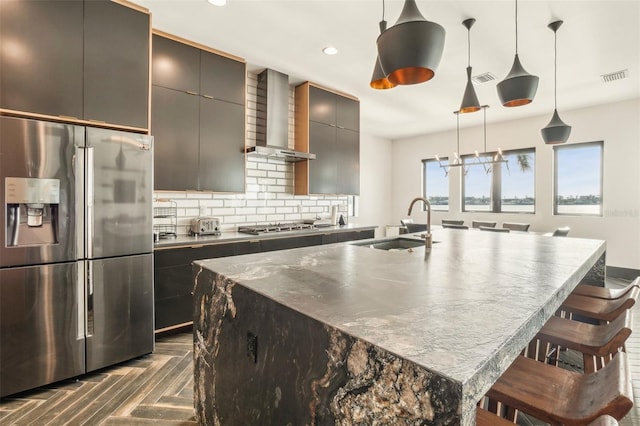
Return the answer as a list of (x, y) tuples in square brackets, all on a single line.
[(352, 335)]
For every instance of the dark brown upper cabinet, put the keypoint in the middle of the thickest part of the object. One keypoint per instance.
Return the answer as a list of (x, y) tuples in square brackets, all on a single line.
[(41, 48), (86, 62), (198, 118), (175, 65), (116, 64), (222, 78), (327, 124)]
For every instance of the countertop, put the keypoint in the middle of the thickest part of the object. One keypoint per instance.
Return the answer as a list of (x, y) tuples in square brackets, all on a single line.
[(463, 309), (234, 236)]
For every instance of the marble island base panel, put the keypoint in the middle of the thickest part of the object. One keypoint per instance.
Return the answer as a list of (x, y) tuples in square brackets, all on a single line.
[(258, 362)]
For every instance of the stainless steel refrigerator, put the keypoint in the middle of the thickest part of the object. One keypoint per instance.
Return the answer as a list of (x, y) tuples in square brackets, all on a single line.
[(76, 243)]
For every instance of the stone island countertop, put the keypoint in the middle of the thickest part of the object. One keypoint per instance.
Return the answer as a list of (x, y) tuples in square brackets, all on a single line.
[(353, 335)]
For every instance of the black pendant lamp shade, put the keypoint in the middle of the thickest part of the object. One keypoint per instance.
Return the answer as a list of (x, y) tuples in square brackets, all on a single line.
[(379, 80), (410, 51), (518, 87), (470, 101), (556, 131)]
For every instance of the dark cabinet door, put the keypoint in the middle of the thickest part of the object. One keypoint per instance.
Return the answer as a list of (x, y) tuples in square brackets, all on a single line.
[(329, 238), (174, 124), (272, 244), (322, 106), (323, 170), (41, 57), (175, 65), (222, 78), (116, 64), (221, 154), (355, 235), (348, 146), (348, 113)]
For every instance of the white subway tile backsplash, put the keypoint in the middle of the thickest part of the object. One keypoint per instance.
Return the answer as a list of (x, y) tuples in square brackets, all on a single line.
[(266, 166), (266, 181), (265, 210), (256, 218), (275, 217), (274, 174), (234, 203), (184, 203), (234, 219), (275, 203), (256, 173), (246, 210), (284, 210), (276, 189), (292, 217), (211, 203)]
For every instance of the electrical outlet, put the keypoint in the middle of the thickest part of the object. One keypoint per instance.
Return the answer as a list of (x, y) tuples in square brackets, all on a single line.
[(252, 347), (203, 211)]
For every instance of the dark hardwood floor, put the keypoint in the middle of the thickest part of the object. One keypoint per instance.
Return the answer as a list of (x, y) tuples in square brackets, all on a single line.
[(153, 389), (158, 389)]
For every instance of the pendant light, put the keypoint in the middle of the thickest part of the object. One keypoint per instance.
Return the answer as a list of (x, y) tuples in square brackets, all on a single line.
[(556, 131), (470, 101), (410, 51), (379, 79), (518, 87)]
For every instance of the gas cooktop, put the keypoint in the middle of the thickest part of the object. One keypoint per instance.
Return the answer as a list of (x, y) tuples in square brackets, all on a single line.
[(274, 227)]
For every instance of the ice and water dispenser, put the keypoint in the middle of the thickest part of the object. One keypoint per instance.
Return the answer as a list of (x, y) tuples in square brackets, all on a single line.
[(32, 211)]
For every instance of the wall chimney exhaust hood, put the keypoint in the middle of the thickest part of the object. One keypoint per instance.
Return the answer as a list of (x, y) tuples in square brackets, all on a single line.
[(272, 119)]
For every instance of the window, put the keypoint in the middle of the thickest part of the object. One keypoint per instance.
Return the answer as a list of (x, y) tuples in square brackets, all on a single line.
[(499, 187), (435, 185), (518, 182), (477, 184), (578, 179)]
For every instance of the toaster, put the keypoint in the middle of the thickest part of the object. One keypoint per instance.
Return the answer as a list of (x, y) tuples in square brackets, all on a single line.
[(205, 226)]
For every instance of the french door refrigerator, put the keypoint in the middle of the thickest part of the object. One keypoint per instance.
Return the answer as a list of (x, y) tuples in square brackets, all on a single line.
[(76, 261)]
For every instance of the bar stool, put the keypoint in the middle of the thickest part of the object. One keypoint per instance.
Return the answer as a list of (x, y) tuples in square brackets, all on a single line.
[(563, 397), (492, 229), (600, 309), (603, 292), (604, 421), (479, 223), (597, 343), (516, 226), (452, 226), (487, 418)]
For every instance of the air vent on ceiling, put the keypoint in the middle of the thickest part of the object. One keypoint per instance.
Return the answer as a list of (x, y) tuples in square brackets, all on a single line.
[(618, 75), (483, 78)]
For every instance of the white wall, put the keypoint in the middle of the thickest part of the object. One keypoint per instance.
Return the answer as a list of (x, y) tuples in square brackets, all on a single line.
[(375, 184), (616, 124)]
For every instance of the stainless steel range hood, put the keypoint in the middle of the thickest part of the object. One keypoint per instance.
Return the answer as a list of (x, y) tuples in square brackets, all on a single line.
[(272, 119)]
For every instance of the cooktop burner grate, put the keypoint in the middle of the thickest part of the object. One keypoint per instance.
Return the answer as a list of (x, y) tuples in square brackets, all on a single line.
[(274, 227)]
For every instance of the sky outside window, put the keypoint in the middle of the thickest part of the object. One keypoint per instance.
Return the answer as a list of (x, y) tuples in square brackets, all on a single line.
[(436, 184)]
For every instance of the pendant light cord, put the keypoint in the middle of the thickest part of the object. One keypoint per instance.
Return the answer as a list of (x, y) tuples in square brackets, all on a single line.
[(555, 69), (458, 132), (383, 10), (516, 27), (469, 47), (484, 111)]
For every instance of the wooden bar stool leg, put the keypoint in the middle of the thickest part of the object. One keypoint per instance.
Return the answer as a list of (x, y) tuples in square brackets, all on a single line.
[(589, 363)]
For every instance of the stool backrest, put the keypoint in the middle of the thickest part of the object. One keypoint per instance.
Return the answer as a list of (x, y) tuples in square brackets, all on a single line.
[(479, 223), (516, 226), (489, 228), (452, 226), (561, 232), (452, 222)]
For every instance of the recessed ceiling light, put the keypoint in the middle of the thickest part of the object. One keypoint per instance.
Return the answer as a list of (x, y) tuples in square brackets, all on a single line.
[(330, 50), (218, 2)]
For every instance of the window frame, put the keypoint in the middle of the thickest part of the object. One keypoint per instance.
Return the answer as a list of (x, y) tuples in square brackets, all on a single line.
[(496, 182), (579, 145), (439, 161)]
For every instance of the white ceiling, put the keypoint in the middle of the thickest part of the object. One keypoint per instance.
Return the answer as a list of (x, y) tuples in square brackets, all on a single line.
[(597, 37)]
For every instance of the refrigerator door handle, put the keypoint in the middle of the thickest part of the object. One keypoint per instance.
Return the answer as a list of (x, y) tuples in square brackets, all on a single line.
[(89, 299), (79, 168), (82, 303), (90, 201)]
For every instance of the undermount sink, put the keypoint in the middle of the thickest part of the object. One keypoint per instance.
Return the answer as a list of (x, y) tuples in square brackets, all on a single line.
[(393, 244)]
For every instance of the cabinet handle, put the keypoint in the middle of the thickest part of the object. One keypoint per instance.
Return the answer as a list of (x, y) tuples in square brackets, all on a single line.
[(340, 127), (333, 125), (192, 93), (207, 96)]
